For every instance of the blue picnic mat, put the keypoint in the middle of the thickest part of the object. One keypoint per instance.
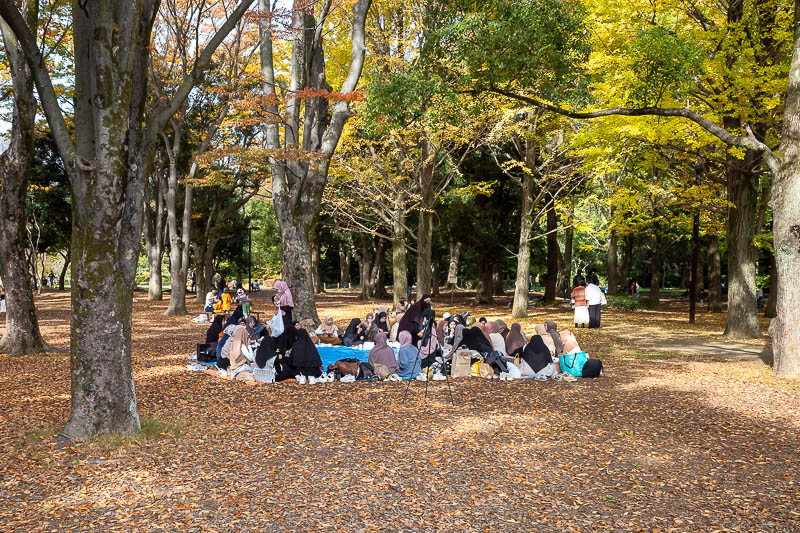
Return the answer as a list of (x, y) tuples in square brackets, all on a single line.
[(331, 354)]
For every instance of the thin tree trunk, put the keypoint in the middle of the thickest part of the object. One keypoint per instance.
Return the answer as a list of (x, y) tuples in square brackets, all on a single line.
[(552, 255), (378, 272), (22, 335), (436, 271), (497, 281), (627, 259), (64, 269), (612, 262), (452, 269), (655, 265), (714, 276), (425, 229), (178, 239), (772, 301), (154, 218), (399, 261), (519, 308), (364, 264), (344, 267)]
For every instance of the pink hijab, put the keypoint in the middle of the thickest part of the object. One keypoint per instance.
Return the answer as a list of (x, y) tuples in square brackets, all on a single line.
[(404, 338), (383, 353), (284, 294)]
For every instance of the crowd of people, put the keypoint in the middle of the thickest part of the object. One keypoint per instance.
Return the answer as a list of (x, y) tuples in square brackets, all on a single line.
[(409, 343)]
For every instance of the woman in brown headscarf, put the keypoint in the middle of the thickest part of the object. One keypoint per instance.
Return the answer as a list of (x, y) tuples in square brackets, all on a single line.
[(328, 332), (515, 340)]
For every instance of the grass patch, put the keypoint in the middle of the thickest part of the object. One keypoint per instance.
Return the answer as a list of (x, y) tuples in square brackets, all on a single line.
[(152, 429)]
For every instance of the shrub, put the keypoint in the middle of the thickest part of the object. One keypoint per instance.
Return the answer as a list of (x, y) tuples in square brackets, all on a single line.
[(622, 301)]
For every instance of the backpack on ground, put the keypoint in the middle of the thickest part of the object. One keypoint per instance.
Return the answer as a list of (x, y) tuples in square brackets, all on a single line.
[(206, 354), (593, 368)]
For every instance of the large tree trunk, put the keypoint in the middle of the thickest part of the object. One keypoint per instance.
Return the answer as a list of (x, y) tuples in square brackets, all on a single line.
[(552, 255), (655, 265), (154, 218), (296, 258), (425, 229), (22, 334), (436, 274), (519, 308), (742, 309), (64, 269), (612, 262), (378, 272), (497, 281), (179, 252), (566, 258), (316, 253), (364, 267), (155, 289), (714, 276), (399, 261)]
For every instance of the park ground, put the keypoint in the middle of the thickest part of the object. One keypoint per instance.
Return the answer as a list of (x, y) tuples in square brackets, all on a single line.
[(680, 434)]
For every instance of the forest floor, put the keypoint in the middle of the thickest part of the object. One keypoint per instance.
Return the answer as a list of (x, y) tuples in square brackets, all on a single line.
[(668, 439)]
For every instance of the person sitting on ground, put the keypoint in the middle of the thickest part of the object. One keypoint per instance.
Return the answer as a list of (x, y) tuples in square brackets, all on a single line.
[(474, 339), (255, 329), (408, 357), (211, 300), (240, 356), (394, 331), (580, 304), (305, 358), (382, 354), (502, 328), (483, 320), (224, 346), (214, 332), (449, 337), (327, 332), (536, 361), (498, 343), (401, 307), (367, 330), (244, 301), (224, 303), (482, 326), (412, 319), (382, 321), (547, 339), (350, 337), (308, 325), (515, 340)]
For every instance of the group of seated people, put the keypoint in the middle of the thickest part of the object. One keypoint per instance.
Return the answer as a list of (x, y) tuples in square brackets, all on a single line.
[(283, 349)]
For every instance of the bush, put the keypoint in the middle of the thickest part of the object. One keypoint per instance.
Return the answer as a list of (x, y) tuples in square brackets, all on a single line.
[(622, 301)]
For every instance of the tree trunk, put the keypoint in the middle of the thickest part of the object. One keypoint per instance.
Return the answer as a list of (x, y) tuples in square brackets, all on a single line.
[(155, 289), (316, 253), (742, 310), (519, 308), (425, 229), (64, 269), (154, 215), (714, 276), (364, 264), (178, 239), (452, 269), (627, 259), (771, 310), (655, 265), (497, 281), (483, 293), (436, 272), (566, 258), (378, 272), (552, 255), (22, 335), (612, 262), (399, 261), (344, 267)]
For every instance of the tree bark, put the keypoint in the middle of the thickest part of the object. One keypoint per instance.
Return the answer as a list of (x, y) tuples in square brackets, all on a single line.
[(364, 264), (179, 254), (316, 253), (344, 267), (566, 257), (64, 269), (436, 272), (154, 218), (452, 269), (22, 335), (399, 260), (497, 281), (771, 310), (742, 193), (483, 293), (714, 276), (655, 265), (519, 308), (552, 255), (377, 272), (612, 262), (627, 259)]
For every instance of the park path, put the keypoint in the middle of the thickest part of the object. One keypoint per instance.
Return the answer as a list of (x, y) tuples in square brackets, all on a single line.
[(707, 346)]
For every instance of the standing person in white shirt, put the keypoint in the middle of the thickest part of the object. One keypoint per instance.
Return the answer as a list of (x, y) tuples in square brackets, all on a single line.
[(595, 298)]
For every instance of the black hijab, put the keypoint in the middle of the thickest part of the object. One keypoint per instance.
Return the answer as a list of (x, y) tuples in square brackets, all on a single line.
[(266, 351), (288, 338), (234, 318), (351, 332), (474, 339), (304, 353), (383, 326), (413, 317), (212, 335), (536, 354)]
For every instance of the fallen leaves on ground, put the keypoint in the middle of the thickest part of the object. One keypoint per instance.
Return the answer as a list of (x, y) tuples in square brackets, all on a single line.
[(661, 442)]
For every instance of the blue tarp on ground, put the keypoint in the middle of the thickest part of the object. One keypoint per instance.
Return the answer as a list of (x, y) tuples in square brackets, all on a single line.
[(331, 354)]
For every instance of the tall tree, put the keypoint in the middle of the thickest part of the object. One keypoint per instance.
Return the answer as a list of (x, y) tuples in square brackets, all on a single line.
[(110, 154)]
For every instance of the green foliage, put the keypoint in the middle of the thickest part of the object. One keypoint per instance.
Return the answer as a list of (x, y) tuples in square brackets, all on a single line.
[(622, 301)]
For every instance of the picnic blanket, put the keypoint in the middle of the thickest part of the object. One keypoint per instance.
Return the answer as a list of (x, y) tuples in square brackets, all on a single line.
[(330, 354)]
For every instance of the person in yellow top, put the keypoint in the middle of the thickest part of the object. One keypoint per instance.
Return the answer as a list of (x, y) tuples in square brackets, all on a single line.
[(224, 303)]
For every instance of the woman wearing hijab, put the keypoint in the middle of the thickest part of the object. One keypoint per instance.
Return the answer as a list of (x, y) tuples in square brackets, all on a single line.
[(515, 340), (350, 337), (536, 361), (240, 356), (408, 357), (483, 329), (552, 329), (288, 337), (412, 319), (383, 354), (474, 339), (458, 336), (285, 300), (305, 358), (214, 331), (367, 330), (382, 321), (502, 328), (328, 332), (498, 343), (264, 368), (548, 340)]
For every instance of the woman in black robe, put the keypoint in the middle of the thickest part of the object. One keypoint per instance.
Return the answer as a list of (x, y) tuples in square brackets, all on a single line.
[(536, 354), (351, 333), (212, 334), (234, 318), (305, 358), (382, 321), (474, 339), (287, 339), (412, 319)]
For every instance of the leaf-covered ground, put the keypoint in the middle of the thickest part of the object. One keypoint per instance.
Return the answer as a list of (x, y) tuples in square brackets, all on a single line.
[(660, 442)]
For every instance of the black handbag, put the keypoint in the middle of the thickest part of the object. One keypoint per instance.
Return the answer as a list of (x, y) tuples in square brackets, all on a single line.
[(592, 368), (206, 354)]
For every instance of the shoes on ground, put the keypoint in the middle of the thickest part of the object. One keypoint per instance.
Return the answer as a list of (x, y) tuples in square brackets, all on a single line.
[(312, 380), (222, 373), (568, 377), (349, 378), (439, 377), (421, 377), (395, 377), (301, 379)]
